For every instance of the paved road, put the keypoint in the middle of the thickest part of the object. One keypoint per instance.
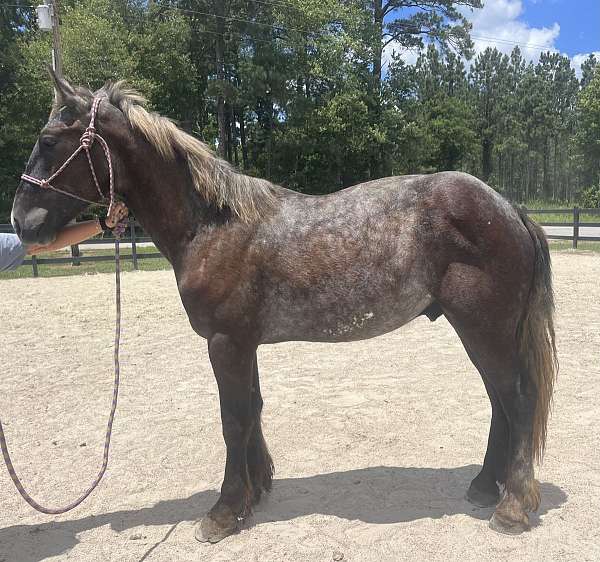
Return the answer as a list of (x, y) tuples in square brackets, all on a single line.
[(568, 231)]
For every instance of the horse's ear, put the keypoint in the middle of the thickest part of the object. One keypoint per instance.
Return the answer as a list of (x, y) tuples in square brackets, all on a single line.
[(66, 94)]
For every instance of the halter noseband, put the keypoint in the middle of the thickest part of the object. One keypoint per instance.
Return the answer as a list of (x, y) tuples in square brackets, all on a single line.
[(85, 143)]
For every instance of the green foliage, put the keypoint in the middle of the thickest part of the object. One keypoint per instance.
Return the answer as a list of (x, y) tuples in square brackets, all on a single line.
[(302, 92), (450, 125), (590, 198), (588, 137)]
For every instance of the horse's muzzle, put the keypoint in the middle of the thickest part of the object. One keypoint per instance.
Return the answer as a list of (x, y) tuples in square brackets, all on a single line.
[(33, 227)]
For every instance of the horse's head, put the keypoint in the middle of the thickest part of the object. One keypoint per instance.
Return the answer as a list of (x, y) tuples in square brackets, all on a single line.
[(39, 213)]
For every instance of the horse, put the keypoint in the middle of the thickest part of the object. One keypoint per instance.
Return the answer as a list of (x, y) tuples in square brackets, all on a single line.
[(256, 263)]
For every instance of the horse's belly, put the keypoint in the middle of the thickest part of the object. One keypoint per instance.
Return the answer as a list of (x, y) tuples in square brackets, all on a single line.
[(339, 316)]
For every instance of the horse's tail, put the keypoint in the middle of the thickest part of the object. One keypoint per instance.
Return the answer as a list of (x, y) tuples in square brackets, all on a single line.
[(536, 338)]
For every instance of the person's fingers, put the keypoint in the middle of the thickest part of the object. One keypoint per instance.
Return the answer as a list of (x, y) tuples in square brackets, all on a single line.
[(116, 213)]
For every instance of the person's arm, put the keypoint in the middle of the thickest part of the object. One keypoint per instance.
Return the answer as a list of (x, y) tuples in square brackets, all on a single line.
[(68, 236), (78, 232)]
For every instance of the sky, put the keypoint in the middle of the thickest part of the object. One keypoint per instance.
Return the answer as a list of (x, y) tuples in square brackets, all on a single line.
[(570, 27)]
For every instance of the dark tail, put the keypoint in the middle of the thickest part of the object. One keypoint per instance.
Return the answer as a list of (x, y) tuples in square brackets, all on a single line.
[(536, 334)]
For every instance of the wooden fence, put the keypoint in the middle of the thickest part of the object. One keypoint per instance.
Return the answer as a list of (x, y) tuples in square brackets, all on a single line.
[(575, 225), (134, 237)]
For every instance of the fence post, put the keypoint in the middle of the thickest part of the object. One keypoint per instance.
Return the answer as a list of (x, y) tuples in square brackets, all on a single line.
[(133, 245), (575, 226), (34, 266), (75, 253)]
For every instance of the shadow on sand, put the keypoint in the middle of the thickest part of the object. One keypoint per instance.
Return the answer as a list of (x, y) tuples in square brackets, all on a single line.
[(374, 495)]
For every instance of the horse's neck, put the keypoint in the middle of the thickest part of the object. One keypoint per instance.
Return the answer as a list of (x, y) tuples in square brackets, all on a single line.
[(164, 201)]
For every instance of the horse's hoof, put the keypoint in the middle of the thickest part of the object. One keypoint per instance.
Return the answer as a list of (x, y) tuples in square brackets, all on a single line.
[(507, 526), (481, 498), (209, 530)]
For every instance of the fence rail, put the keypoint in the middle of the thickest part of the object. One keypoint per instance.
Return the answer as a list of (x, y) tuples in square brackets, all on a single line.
[(575, 225), (134, 239)]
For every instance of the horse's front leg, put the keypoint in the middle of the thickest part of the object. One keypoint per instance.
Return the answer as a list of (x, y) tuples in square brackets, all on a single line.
[(233, 365)]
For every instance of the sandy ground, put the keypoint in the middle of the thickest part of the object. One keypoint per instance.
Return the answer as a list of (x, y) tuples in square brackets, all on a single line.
[(374, 442)]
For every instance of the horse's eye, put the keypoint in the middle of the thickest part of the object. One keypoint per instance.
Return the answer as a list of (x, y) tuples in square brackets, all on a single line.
[(48, 140)]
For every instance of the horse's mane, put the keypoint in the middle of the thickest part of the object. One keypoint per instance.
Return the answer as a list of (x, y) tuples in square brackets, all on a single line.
[(219, 183)]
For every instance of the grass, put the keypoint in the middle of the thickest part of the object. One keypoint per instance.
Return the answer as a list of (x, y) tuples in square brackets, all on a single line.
[(89, 268), (557, 217), (582, 247)]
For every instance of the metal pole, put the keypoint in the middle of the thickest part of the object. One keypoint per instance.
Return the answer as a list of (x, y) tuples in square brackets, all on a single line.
[(75, 253), (133, 244), (57, 64)]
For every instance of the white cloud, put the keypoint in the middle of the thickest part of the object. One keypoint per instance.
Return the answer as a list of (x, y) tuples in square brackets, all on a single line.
[(498, 25), (409, 56), (578, 60)]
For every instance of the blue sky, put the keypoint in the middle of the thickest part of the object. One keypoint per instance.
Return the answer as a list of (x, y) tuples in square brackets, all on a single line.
[(570, 27), (579, 22)]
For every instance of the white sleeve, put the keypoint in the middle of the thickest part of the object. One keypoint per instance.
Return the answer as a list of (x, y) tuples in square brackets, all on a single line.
[(12, 251)]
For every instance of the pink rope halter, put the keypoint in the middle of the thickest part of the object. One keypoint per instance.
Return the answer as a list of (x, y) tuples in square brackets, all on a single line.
[(85, 144)]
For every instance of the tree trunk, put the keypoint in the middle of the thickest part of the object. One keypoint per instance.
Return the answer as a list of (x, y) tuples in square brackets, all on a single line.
[(511, 177), (233, 136), (269, 108), (243, 138), (268, 124), (500, 173), (219, 8), (546, 170), (378, 49), (375, 166), (486, 159), (555, 179)]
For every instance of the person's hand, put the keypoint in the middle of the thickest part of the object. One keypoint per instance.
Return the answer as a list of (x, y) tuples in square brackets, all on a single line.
[(116, 212)]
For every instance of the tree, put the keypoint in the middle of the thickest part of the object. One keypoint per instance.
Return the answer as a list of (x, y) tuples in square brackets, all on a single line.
[(588, 68), (589, 130), (15, 23), (298, 91), (404, 23), (490, 84)]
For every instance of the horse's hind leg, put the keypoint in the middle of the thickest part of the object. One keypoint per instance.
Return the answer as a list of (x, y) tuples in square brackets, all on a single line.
[(233, 367), (506, 328), (495, 353), (483, 491), (260, 465)]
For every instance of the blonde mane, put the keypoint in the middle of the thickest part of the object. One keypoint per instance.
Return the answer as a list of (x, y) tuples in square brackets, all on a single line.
[(248, 198)]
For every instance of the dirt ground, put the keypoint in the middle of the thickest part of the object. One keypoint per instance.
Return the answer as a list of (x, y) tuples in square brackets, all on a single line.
[(374, 442)]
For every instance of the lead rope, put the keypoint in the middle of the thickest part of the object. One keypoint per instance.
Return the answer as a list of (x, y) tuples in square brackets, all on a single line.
[(111, 417), (86, 141)]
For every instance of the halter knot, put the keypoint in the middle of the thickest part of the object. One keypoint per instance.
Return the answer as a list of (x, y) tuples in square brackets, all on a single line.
[(87, 138)]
